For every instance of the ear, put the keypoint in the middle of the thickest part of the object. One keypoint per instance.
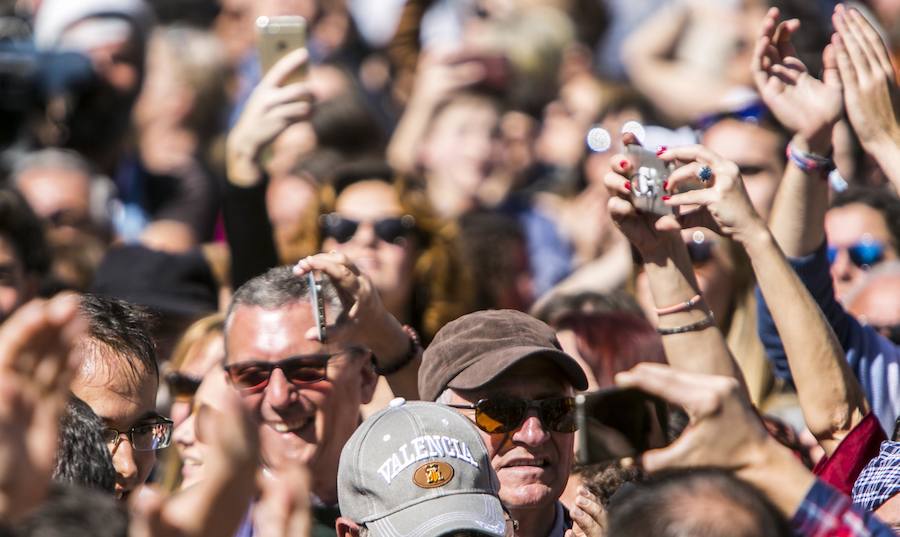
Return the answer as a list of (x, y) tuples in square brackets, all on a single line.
[(368, 380), (344, 527)]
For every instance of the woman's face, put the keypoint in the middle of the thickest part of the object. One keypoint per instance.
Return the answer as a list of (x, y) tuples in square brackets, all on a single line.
[(388, 263), (191, 449), (202, 357)]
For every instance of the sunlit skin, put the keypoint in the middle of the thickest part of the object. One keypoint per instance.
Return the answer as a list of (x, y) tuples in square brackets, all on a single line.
[(390, 266), (532, 463), (845, 226), (306, 424), (878, 304), (758, 152), (889, 512), (203, 356), (191, 449), (122, 399)]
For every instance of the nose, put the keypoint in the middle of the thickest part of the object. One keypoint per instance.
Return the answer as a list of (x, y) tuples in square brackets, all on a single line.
[(125, 464), (842, 267), (532, 431), (184, 434), (278, 392), (365, 234)]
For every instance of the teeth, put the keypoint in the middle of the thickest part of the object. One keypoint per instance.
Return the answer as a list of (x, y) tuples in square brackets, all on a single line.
[(282, 427)]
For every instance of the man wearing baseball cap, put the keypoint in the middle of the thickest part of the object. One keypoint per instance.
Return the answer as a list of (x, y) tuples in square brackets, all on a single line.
[(417, 469), (506, 372)]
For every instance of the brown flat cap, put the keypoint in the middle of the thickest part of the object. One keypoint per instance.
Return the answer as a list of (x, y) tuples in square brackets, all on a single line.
[(473, 350)]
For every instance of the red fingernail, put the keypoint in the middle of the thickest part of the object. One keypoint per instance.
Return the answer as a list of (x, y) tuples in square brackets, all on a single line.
[(661, 150), (665, 185), (624, 164), (628, 185), (666, 198)]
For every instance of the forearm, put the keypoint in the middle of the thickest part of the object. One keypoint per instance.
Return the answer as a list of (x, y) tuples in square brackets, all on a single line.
[(797, 219), (830, 397), (780, 476), (887, 154), (404, 145), (672, 282)]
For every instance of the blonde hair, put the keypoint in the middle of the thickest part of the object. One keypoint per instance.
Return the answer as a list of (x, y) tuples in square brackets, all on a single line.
[(196, 332)]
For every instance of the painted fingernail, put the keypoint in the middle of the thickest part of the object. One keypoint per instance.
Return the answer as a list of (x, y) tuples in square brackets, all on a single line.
[(628, 185), (666, 198), (624, 164), (665, 185), (662, 149)]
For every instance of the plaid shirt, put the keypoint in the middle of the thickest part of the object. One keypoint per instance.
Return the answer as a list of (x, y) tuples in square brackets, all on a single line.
[(880, 480), (826, 512)]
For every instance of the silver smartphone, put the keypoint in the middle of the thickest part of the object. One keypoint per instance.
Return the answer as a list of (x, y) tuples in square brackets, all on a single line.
[(647, 182), (277, 37), (318, 304)]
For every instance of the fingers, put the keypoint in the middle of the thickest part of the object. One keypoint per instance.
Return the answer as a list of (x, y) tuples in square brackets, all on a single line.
[(338, 267), (687, 176), (677, 387), (283, 68), (690, 153), (873, 42), (588, 514), (701, 196), (831, 74), (851, 43), (846, 69), (782, 38)]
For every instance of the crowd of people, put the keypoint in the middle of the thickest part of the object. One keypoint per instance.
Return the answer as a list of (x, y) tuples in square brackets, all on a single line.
[(365, 290)]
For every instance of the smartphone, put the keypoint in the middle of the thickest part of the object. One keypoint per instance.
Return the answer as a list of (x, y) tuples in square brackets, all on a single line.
[(615, 423), (647, 183), (497, 69), (278, 36), (318, 304)]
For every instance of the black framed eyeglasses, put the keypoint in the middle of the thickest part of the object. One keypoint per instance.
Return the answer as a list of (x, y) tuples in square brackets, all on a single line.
[(142, 437), (252, 376), (390, 230), (506, 414)]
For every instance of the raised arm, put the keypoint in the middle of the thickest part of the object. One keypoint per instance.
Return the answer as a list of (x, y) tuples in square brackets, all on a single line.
[(672, 281), (870, 89), (830, 397)]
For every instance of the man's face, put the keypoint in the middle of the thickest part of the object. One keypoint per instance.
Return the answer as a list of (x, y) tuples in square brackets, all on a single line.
[(758, 152), (849, 225), (532, 463), (122, 398), (59, 196), (14, 284), (308, 423), (878, 304)]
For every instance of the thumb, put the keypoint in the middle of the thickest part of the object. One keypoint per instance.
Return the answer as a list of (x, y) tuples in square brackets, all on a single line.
[(831, 75), (145, 513)]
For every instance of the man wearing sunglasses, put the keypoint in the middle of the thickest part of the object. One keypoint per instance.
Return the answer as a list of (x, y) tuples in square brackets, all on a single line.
[(118, 378), (304, 392), (506, 372)]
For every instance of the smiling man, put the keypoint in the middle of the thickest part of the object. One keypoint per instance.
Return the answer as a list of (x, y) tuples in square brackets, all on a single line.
[(505, 370), (305, 394)]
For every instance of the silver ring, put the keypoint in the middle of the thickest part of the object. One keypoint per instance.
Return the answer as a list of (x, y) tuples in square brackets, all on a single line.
[(705, 174)]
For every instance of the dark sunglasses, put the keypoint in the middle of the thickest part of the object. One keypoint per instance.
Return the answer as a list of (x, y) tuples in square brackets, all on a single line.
[(863, 254), (755, 112), (390, 230), (144, 437), (253, 376), (506, 414), (182, 386)]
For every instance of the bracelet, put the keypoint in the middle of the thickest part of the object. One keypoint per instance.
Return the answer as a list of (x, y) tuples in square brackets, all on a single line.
[(706, 322), (684, 306), (415, 349), (809, 162)]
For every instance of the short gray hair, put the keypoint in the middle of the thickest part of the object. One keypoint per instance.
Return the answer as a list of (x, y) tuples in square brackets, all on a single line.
[(279, 287)]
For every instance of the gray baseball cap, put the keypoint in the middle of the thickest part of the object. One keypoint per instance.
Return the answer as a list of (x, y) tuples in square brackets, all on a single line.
[(418, 469)]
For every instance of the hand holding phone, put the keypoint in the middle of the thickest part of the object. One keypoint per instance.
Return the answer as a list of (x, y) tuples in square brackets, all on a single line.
[(318, 304), (278, 36), (650, 172)]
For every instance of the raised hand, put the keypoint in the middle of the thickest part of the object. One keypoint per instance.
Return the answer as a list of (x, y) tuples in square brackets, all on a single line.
[(270, 110), (588, 515), (724, 206), (869, 81), (36, 370), (805, 105)]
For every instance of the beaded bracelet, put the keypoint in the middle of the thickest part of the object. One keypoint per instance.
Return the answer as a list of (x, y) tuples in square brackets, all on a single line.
[(706, 322), (684, 306), (415, 349), (809, 162)]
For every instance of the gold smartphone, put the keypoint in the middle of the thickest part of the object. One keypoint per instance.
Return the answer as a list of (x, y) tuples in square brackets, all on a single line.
[(277, 37)]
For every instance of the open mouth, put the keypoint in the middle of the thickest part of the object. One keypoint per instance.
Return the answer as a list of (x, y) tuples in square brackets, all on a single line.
[(292, 426)]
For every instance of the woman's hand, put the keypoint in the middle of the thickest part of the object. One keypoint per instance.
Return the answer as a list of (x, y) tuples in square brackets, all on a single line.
[(805, 105), (648, 233), (868, 79), (724, 206), (270, 110)]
